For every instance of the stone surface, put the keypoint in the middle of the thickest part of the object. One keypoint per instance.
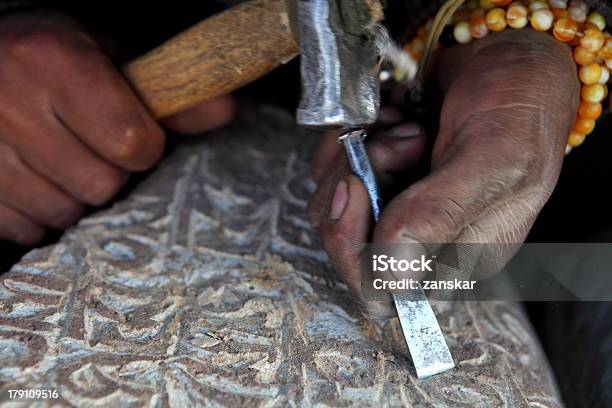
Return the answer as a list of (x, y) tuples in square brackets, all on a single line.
[(207, 286)]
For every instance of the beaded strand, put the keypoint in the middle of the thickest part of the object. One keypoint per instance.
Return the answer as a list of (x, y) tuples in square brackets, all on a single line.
[(571, 23)]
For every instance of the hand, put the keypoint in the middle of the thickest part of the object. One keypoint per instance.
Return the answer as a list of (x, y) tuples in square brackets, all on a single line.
[(510, 100), (71, 129)]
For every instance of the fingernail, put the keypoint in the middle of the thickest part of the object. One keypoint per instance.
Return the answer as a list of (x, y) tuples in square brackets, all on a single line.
[(405, 130), (389, 115), (339, 201)]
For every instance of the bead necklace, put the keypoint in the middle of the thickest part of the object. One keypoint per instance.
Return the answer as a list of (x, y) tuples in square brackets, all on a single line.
[(573, 24)]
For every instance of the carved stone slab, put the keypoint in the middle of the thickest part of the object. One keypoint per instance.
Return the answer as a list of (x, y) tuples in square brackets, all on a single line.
[(207, 287)]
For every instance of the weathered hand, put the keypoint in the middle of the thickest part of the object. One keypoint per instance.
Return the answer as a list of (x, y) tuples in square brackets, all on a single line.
[(510, 100), (71, 129)]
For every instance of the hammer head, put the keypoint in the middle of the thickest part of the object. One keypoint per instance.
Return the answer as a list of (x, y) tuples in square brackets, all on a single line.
[(340, 87)]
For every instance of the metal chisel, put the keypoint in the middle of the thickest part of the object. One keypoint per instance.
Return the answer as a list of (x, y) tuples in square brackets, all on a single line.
[(426, 343)]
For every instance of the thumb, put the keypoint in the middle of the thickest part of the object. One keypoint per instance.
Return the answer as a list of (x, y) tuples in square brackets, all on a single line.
[(439, 207), (343, 237)]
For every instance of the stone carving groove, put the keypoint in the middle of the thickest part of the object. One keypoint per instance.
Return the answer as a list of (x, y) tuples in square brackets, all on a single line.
[(207, 287)]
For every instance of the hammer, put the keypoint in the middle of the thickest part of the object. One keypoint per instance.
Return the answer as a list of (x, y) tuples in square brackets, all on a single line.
[(340, 89)]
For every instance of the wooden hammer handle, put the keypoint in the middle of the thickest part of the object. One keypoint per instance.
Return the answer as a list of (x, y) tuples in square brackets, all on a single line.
[(214, 57)]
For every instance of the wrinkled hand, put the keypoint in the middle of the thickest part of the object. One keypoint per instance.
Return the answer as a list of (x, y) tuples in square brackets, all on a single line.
[(510, 100), (71, 129)]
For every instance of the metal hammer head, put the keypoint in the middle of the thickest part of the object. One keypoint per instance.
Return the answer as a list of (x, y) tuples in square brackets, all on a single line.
[(340, 87)]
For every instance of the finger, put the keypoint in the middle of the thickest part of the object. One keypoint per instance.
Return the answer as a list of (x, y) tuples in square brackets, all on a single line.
[(99, 107), (325, 153), (205, 116), (500, 230), (389, 116), (395, 152), (436, 209), (58, 156), (24, 191), (18, 228), (343, 233)]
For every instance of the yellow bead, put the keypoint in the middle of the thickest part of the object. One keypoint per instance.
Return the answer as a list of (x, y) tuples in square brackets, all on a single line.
[(558, 4), (593, 93), (606, 51), (578, 10), (516, 16), (462, 33), (486, 4), (590, 74), (575, 139), (542, 20), (478, 27), (565, 29), (590, 110), (583, 57), (583, 126), (609, 63), (596, 18), (605, 75), (537, 5), (496, 19), (593, 40)]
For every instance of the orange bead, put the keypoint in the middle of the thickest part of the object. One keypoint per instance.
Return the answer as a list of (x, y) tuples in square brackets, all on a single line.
[(558, 4), (590, 74), (408, 48), (516, 16), (501, 3), (561, 13), (583, 126), (478, 27), (486, 4), (565, 29), (583, 56), (593, 40), (478, 13), (542, 19), (589, 110), (593, 93), (538, 5), (606, 51), (578, 10), (575, 139), (463, 14), (418, 45), (496, 19)]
